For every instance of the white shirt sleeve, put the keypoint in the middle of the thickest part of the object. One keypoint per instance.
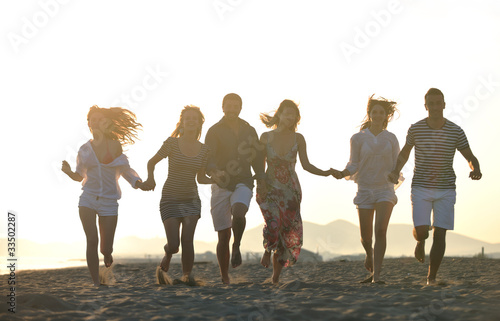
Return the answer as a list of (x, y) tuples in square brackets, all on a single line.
[(130, 175), (354, 158)]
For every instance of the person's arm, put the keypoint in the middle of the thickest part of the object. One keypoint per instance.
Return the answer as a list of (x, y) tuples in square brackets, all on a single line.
[(403, 156), (150, 183), (258, 161), (352, 165), (304, 160), (261, 181), (67, 170), (475, 174), (211, 142), (201, 177)]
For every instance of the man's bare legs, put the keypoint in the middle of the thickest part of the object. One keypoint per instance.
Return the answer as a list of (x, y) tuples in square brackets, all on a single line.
[(383, 211), (87, 216), (223, 254), (171, 226), (188, 228), (420, 233), (238, 211), (366, 231), (437, 253)]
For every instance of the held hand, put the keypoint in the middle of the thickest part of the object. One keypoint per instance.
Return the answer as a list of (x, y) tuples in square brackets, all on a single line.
[(148, 185), (475, 175), (261, 192), (337, 174), (393, 177), (219, 177), (65, 167)]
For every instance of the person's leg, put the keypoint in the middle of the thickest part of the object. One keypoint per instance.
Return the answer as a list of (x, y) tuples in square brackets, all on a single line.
[(107, 227), (266, 259), (366, 231), (220, 208), (223, 254), (277, 267), (444, 219), (420, 233), (188, 228), (238, 211), (87, 216), (421, 199), (437, 253), (383, 211), (171, 226)]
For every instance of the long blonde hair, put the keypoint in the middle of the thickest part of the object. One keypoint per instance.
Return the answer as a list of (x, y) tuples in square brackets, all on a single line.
[(179, 128), (123, 127)]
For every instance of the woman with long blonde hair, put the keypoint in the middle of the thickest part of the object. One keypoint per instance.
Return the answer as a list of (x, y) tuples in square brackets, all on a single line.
[(100, 163)]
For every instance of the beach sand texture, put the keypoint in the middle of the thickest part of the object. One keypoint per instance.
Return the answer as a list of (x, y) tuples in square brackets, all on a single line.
[(469, 289)]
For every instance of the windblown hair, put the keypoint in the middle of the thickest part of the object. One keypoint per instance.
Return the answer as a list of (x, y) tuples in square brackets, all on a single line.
[(434, 91), (274, 121), (179, 129), (389, 107), (123, 126)]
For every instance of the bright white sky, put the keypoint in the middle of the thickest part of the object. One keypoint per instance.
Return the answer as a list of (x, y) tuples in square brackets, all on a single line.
[(60, 59)]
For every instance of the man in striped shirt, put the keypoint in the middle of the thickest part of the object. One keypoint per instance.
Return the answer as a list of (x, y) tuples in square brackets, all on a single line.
[(433, 187)]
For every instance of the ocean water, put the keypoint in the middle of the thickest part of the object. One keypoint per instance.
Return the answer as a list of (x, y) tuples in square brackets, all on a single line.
[(37, 263)]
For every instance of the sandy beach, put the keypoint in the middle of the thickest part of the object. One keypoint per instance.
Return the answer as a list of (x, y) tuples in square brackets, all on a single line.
[(469, 289)]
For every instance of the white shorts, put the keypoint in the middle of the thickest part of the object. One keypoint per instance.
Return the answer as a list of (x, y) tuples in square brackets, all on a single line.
[(103, 206), (367, 198), (222, 201), (439, 201)]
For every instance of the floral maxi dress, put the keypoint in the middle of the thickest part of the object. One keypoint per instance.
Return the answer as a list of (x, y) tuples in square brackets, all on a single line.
[(281, 206)]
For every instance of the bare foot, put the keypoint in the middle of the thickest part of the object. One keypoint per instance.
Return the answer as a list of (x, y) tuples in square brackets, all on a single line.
[(108, 260), (378, 282), (431, 281), (275, 279), (367, 280), (165, 262), (266, 259), (420, 251), (369, 262), (225, 280), (162, 276), (235, 256)]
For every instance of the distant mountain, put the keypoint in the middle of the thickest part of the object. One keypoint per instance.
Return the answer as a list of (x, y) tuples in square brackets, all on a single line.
[(341, 237), (334, 239)]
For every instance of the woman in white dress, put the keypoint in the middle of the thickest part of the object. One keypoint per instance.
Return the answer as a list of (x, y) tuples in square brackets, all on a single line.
[(374, 152)]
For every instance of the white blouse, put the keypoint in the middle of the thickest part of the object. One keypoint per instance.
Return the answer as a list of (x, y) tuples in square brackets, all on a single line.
[(102, 179), (372, 159)]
